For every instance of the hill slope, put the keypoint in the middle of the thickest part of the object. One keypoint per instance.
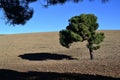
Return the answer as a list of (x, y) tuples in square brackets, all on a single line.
[(42, 52)]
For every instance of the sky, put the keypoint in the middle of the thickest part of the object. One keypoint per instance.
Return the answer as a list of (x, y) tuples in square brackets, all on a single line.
[(55, 18)]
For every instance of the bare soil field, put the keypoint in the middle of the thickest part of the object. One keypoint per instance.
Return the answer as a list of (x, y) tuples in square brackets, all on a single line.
[(39, 56)]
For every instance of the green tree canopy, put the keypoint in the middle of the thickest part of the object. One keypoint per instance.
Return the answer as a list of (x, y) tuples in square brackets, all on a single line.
[(19, 12), (82, 28)]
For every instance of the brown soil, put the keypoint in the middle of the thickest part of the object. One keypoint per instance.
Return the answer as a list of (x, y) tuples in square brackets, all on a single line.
[(42, 53)]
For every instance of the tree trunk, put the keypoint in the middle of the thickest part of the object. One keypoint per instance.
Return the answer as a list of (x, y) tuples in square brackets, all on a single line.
[(90, 44), (91, 54)]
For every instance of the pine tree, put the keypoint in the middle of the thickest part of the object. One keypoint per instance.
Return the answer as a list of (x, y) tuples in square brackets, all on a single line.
[(82, 28), (19, 12)]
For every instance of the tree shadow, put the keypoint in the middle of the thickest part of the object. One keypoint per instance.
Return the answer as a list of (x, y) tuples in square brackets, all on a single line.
[(31, 75), (45, 56)]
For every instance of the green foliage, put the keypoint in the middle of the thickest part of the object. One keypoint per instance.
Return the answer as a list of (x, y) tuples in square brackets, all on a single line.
[(19, 11), (16, 11), (54, 2), (65, 40), (98, 38), (82, 28)]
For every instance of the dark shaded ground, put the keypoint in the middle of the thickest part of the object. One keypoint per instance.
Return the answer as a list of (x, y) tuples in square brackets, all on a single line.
[(14, 75), (45, 56)]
